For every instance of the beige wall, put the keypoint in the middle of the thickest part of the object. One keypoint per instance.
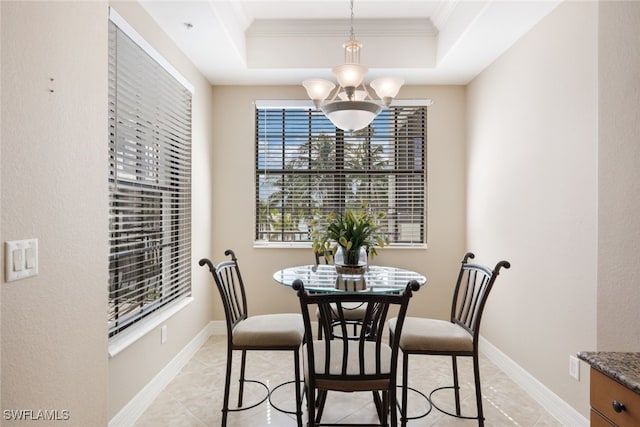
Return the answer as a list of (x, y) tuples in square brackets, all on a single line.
[(1, 231), (132, 369), (532, 195), (54, 176), (619, 177), (555, 134), (233, 212), (54, 336)]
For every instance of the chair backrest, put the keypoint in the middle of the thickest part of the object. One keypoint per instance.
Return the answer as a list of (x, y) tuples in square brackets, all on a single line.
[(472, 289), (343, 357), (231, 287)]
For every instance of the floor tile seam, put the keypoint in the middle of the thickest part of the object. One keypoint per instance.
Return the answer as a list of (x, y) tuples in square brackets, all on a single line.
[(204, 424), (343, 418), (184, 407), (179, 403), (513, 418)]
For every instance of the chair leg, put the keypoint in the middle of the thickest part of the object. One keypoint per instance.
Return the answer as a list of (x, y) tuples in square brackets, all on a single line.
[(476, 374), (322, 398), (385, 408), (456, 385), (311, 406), (241, 386), (405, 386), (296, 366), (379, 405), (227, 386), (393, 407)]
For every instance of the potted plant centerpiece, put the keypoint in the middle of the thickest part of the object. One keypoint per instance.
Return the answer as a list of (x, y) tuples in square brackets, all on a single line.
[(351, 238)]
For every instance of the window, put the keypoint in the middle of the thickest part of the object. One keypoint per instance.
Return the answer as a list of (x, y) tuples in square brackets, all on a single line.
[(306, 168), (149, 184)]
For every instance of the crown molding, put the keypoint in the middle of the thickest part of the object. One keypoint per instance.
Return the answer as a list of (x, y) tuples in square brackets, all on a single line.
[(411, 27)]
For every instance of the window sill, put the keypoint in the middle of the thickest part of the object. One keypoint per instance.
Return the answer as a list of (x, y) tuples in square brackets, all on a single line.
[(307, 245), (282, 245), (143, 327)]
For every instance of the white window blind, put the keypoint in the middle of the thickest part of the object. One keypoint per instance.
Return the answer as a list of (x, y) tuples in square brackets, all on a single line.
[(149, 184), (306, 168)]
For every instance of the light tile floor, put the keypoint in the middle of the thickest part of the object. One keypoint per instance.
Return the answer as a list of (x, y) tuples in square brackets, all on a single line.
[(194, 397)]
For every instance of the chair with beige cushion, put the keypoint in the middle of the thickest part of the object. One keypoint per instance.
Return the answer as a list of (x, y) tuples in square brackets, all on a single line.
[(455, 337), (342, 363), (270, 332)]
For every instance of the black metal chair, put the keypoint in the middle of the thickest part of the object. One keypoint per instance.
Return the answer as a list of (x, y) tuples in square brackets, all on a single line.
[(268, 332), (353, 313), (456, 337), (343, 363)]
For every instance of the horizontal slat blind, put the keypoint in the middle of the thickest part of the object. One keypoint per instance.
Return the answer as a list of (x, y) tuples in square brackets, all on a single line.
[(149, 184), (306, 168)]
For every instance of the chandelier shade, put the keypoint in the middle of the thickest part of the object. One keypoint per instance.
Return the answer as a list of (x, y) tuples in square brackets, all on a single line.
[(350, 75), (387, 88), (318, 89), (351, 115), (351, 107)]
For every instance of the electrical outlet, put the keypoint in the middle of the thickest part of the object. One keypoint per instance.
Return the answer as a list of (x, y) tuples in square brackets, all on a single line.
[(163, 334), (574, 367)]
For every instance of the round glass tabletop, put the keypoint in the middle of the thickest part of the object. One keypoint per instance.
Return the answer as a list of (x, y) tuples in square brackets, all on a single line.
[(323, 278)]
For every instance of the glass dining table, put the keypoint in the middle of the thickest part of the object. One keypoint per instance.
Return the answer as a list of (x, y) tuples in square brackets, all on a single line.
[(324, 278)]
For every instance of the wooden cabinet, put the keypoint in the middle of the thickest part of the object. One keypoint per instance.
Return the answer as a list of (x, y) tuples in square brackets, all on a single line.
[(612, 404)]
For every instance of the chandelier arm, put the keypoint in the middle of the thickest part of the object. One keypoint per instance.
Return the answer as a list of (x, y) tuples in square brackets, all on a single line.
[(368, 95), (336, 91)]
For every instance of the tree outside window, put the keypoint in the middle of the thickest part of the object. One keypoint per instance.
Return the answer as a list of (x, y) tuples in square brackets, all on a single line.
[(306, 168)]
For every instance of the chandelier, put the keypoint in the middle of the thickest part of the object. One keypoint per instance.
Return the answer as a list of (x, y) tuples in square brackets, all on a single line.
[(351, 107)]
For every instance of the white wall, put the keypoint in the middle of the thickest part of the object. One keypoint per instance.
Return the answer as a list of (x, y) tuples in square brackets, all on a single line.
[(233, 213), (532, 195), (53, 173), (619, 177)]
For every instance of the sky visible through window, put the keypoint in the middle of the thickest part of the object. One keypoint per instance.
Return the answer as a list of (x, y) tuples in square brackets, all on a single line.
[(306, 168)]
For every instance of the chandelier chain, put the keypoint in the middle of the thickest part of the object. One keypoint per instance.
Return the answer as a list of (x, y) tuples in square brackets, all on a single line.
[(350, 109), (352, 33)]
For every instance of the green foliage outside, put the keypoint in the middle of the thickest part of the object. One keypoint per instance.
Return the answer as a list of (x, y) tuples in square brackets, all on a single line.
[(315, 190)]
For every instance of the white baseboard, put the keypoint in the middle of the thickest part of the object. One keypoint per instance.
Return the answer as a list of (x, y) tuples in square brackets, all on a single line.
[(130, 413), (557, 407), (550, 401), (218, 327)]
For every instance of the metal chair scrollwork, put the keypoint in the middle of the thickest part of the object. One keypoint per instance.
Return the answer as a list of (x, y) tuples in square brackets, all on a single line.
[(270, 332), (343, 363), (455, 338)]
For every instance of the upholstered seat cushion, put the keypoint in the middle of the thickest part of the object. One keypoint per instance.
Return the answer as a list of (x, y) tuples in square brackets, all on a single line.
[(351, 311), (427, 335), (269, 330), (353, 366)]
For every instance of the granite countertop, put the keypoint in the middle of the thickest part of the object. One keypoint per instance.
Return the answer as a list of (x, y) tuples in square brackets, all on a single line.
[(622, 367)]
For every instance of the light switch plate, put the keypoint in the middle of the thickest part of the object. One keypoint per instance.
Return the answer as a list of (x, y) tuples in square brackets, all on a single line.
[(20, 259)]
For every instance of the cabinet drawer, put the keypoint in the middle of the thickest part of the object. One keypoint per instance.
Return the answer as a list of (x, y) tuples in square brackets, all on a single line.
[(598, 420), (604, 391)]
